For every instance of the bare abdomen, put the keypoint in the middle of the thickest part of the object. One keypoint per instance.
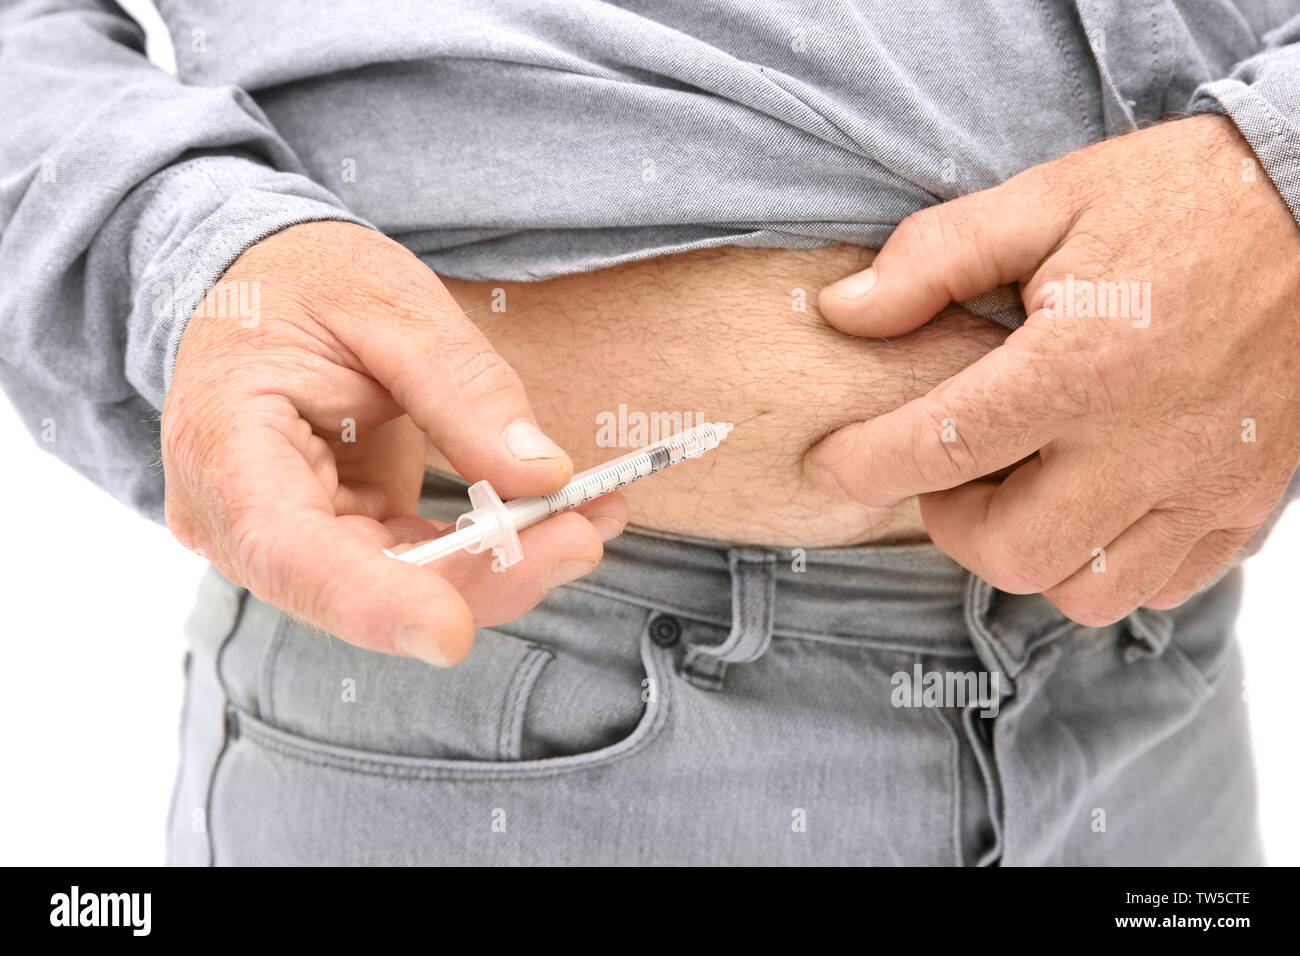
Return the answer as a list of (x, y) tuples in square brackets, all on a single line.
[(731, 334)]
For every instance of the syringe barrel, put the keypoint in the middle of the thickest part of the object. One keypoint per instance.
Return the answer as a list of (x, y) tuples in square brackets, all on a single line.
[(498, 522), (633, 466)]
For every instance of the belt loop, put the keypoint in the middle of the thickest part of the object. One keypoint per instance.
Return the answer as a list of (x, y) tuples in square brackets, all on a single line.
[(753, 596)]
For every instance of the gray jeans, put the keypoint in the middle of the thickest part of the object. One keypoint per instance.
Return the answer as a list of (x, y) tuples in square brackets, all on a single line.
[(695, 703)]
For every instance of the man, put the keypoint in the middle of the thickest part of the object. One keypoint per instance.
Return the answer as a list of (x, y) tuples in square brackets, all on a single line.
[(628, 207)]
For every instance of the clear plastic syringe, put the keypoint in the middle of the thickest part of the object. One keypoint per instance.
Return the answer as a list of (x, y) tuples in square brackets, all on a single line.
[(493, 523)]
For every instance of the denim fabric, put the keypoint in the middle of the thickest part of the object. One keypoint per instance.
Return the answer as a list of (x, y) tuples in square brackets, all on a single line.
[(694, 703), (526, 139)]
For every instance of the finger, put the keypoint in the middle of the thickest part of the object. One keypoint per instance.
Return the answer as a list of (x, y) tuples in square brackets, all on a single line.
[(406, 531), (317, 568), (1202, 566), (608, 514), (993, 414), (457, 389), (948, 253), (557, 551), (1034, 529), (1125, 574), (275, 528), (380, 472)]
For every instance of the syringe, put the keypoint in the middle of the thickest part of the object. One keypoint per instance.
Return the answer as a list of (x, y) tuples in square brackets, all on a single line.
[(492, 523)]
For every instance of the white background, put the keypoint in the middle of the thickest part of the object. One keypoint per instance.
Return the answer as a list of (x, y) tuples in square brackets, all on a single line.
[(93, 599)]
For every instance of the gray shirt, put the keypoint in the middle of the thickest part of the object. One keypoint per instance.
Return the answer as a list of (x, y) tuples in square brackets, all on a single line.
[(527, 139)]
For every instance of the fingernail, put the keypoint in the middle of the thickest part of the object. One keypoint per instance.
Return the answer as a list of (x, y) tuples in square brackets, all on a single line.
[(527, 443), (854, 286), (608, 528), (414, 641), (567, 571)]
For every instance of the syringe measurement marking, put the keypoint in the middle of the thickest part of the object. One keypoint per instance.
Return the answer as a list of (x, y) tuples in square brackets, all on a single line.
[(656, 460)]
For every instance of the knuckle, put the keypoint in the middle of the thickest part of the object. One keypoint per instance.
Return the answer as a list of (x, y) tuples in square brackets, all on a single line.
[(1170, 598), (1044, 382), (952, 230), (1077, 387), (1092, 610), (1088, 616), (1180, 526), (943, 225), (479, 373), (914, 230), (1103, 613), (941, 456), (1099, 600), (1016, 570), (857, 472)]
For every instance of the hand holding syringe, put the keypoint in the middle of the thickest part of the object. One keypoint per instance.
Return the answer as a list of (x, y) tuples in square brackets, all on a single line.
[(495, 524)]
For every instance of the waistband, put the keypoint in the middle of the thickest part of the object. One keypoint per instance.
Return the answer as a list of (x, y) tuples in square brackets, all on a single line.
[(910, 594)]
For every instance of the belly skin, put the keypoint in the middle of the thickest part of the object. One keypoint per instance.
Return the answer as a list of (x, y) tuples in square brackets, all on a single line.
[(729, 334)]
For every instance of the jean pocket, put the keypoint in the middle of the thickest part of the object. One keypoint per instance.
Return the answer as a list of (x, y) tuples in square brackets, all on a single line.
[(520, 704)]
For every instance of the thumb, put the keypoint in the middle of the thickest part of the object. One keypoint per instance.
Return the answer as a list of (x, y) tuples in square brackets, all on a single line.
[(459, 391), (948, 253)]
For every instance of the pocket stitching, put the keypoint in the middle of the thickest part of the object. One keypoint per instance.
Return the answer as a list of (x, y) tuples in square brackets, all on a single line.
[(510, 733), (335, 757)]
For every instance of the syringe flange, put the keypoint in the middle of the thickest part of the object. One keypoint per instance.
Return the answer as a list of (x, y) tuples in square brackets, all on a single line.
[(490, 511)]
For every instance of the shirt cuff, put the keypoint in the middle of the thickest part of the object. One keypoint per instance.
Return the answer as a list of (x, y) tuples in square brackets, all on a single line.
[(1271, 134), (192, 221)]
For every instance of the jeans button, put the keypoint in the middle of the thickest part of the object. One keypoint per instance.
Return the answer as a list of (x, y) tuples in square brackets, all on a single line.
[(665, 630)]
